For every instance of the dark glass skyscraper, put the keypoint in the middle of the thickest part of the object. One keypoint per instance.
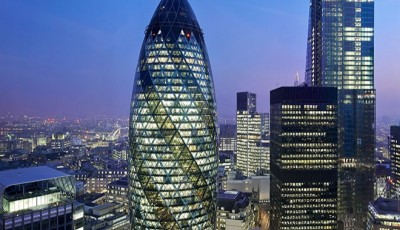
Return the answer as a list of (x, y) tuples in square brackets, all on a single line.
[(173, 160), (304, 158), (340, 54), (394, 149)]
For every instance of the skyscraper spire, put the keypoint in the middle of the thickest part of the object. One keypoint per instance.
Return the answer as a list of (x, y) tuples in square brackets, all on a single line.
[(297, 79), (173, 157)]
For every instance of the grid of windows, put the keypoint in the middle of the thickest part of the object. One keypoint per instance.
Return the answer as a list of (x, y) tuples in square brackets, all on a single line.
[(340, 54), (252, 145), (173, 161), (304, 158), (394, 148)]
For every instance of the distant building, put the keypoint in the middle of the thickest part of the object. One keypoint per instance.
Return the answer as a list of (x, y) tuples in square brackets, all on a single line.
[(252, 153), (258, 186), (304, 158), (234, 211), (100, 179), (226, 159), (384, 214), (59, 142), (117, 192), (265, 132), (105, 217), (394, 149), (38, 198), (227, 137)]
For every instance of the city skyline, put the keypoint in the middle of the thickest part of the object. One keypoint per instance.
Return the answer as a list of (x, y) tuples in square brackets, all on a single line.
[(50, 48)]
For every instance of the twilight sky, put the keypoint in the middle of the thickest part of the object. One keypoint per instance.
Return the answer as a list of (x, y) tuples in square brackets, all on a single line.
[(74, 57)]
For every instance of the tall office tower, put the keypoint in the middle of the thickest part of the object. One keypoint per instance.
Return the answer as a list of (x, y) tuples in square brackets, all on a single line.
[(173, 138), (304, 158), (340, 54), (251, 154), (394, 149), (38, 198)]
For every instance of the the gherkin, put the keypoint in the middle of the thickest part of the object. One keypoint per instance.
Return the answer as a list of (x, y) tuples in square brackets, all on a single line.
[(173, 158)]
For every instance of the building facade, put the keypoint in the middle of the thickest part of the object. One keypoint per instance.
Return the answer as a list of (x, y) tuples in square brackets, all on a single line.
[(38, 198), (227, 138), (304, 158), (173, 135), (99, 180), (394, 149), (340, 54), (251, 151)]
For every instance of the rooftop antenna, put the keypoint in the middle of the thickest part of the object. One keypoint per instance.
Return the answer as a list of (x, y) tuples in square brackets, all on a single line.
[(297, 80)]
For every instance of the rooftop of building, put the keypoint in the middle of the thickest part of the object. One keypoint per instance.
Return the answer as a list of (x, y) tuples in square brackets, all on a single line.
[(28, 175), (89, 199), (385, 206), (232, 201), (303, 94), (123, 182), (173, 13)]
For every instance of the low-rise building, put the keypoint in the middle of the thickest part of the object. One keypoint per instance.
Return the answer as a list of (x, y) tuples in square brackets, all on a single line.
[(384, 214), (259, 186), (99, 180), (117, 191), (38, 198), (105, 217), (235, 211)]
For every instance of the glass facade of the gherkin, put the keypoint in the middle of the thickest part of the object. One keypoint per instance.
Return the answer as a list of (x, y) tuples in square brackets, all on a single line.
[(340, 54), (173, 136)]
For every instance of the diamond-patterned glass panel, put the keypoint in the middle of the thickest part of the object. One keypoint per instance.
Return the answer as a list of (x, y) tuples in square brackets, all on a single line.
[(173, 160)]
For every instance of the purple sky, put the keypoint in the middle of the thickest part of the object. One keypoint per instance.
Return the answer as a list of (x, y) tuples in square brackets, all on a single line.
[(74, 57)]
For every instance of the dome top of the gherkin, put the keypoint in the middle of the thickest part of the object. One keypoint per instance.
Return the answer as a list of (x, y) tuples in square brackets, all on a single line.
[(174, 13)]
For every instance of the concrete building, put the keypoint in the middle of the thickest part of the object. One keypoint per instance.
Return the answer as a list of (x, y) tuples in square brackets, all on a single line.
[(117, 192), (105, 217), (258, 185), (99, 180), (235, 211)]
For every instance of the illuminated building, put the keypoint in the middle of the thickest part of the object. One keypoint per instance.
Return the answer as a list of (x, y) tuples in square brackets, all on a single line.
[(59, 142), (38, 198), (384, 214), (252, 152), (340, 54), (304, 158), (100, 179), (173, 135), (117, 192), (394, 149)]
